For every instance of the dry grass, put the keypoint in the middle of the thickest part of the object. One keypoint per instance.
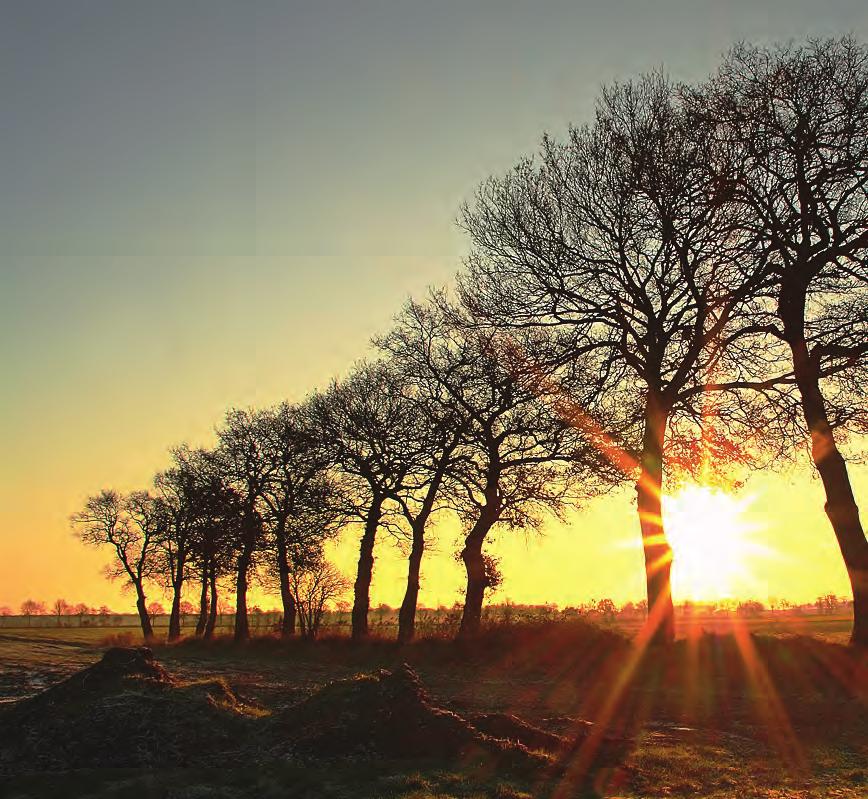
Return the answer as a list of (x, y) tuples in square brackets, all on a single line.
[(716, 716)]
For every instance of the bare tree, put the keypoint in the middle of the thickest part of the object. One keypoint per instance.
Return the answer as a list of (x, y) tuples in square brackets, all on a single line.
[(299, 498), (130, 526), (439, 430), (184, 504), (215, 531), (156, 609), (515, 455), (614, 238), (422, 497), (30, 607), (796, 119), (60, 609), (246, 472), (313, 587), (368, 426)]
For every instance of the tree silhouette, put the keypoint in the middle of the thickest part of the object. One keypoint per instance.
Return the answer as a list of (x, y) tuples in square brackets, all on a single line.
[(440, 430), (795, 119), (130, 525), (314, 585), (183, 503), (300, 506), (515, 452), (216, 530), (30, 607), (61, 608), (246, 472), (156, 609), (615, 239), (368, 425)]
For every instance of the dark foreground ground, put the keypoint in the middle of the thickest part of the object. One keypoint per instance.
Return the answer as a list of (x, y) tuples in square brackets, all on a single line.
[(550, 710)]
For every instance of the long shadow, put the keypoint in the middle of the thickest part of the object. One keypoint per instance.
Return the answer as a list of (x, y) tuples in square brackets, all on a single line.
[(84, 645)]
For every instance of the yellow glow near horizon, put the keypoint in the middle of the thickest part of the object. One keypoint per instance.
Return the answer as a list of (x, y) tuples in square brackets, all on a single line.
[(712, 542)]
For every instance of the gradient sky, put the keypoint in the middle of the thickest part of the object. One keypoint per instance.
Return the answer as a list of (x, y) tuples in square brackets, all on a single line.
[(205, 204)]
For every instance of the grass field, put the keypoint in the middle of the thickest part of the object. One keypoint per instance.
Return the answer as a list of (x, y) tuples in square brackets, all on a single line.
[(745, 712)]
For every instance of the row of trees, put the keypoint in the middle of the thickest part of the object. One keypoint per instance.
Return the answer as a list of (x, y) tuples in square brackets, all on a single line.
[(827, 604), (702, 249), (673, 289), (60, 607), (447, 420), (261, 502)]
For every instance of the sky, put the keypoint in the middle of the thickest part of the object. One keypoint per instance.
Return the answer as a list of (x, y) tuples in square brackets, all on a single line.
[(207, 204)]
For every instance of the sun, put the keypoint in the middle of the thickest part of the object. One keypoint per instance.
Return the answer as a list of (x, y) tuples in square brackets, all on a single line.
[(712, 544)]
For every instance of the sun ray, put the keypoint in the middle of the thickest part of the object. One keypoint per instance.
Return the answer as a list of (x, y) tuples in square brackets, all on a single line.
[(767, 704)]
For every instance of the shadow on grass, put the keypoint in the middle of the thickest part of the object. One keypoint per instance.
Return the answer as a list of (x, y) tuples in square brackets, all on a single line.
[(713, 715)]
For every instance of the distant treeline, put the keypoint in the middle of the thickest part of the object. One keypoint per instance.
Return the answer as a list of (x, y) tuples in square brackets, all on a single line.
[(676, 290), (433, 622)]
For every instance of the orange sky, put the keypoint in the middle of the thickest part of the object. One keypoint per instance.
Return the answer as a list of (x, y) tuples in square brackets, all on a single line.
[(595, 554)]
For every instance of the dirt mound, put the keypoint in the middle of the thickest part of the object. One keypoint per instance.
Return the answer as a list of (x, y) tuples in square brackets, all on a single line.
[(128, 711), (123, 711), (388, 714)]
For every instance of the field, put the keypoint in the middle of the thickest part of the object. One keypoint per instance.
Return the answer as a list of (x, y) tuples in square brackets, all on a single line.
[(742, 712)]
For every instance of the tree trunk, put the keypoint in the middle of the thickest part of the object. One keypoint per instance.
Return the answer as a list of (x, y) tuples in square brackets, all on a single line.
[(302, 616), (362, 588), (175, 615), (660, 625), (287, 626), (242, 623), (407, 614), (144, 618), (203, 603), (212, 615), (477, 582), (840, 505)]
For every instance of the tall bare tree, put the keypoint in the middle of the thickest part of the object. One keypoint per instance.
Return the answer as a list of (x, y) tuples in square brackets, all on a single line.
[(515, 453), (369, 427), (246, 472), (216, 528), (439, 432), (300, 504), (178, 494), (795, 118), (614, 238), (422, 498), (130, 525)]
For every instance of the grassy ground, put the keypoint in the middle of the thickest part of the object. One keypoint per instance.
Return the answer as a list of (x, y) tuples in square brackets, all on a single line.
[(733, 715)]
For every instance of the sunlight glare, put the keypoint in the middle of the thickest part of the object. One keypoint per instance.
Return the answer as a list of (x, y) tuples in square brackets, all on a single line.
[(712, 543)]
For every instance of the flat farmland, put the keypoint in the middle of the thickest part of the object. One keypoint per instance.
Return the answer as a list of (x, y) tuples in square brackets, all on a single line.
[(748, 708)]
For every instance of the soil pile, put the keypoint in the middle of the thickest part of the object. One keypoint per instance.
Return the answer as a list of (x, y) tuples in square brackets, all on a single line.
[(389, 714), (123, 711), (128, 711)]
